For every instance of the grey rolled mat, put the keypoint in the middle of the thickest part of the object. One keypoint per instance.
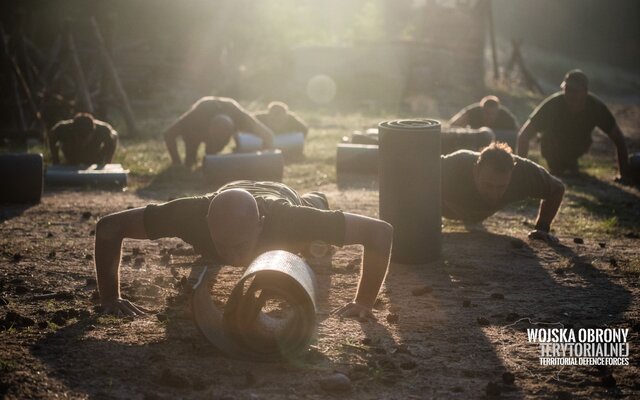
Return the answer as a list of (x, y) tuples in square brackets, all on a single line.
[(410, 188), (260, 166), (634, 167), (21, 176), (356, 158), (289, 143), (251, 325), (104, 176), (454, 139)]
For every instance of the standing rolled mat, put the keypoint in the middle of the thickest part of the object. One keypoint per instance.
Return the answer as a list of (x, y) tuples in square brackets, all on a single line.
[(410, 188), (101, 176), (356, 158), (634, 167), (270, 314), (219, 169), (289, 143), (21, 177)]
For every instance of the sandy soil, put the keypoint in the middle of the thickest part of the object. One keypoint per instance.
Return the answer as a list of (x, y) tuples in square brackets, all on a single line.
[(451, 329), (451, 340)]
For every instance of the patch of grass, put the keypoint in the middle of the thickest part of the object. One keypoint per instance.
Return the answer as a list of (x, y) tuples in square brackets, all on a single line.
[(108, 320), (52, 326)]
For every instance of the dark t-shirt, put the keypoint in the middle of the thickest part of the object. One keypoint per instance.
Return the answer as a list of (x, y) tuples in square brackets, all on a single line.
[(552, 117), (193, 125), (291, 123), (505, 120), (79, 149), (461, 200), (289, 223)]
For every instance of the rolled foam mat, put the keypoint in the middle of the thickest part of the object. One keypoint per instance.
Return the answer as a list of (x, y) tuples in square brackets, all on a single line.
[(21, 176), (356, 158), (289, 143), (259, 166), (107, 175), (634, 167), (245, 329), (410, 188)]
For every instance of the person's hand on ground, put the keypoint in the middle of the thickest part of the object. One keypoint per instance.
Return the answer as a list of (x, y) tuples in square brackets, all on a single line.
[(356, 311), (544, 236), (122, 307)]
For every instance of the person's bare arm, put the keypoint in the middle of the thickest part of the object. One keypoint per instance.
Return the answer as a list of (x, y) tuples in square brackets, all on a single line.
[(53, 147), (527, 132), (298, 124), (110, 232), (549, 207), (108, 148), (376, 237), (617, 138), (257, 128), (460, 119), (170, 139)]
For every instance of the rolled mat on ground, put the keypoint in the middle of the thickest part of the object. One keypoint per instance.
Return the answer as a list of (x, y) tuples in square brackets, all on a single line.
[(356, 159), (21, 176), (289, 143), (452, 138), (410, 188), (104, 176), (259, 166), (270, 314), (634, 167)]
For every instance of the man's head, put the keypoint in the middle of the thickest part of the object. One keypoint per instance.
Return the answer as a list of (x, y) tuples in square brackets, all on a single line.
[(222, 125), (490, 106), (234, 225), (84, 124), (278, 111), (575, 87), (492, 172)]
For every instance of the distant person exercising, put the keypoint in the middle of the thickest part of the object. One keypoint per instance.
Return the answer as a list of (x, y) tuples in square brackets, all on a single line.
[(477, 185), (280, 120), (566, 120), (236, 224), (212, 121), (488, 113), (83, 141)]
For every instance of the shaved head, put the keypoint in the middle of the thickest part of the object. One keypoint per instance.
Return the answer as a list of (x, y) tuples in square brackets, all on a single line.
[(234, 225)]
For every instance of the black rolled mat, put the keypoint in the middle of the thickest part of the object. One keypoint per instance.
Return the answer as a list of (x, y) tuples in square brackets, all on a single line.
[(270, 314)]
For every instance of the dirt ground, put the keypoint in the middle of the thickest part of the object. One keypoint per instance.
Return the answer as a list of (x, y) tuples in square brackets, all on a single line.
[(451, 329)]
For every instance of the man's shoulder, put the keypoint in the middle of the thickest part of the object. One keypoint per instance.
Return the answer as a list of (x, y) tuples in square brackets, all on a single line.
[(523, 164), (474, 107), (103, 126), (63, 125), (595, 101), (461, 156), (553, 99)]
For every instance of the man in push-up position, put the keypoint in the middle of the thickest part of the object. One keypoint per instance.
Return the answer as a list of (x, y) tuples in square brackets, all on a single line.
[(236, 224)]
